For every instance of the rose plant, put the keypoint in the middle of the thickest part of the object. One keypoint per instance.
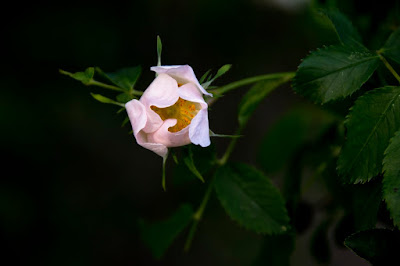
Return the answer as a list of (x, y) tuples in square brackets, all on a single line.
[(172, 113)]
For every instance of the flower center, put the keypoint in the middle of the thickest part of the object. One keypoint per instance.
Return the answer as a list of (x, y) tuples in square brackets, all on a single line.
[(183, 111)]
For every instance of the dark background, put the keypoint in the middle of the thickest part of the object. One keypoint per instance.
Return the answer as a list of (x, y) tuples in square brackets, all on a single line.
[(73, 181)]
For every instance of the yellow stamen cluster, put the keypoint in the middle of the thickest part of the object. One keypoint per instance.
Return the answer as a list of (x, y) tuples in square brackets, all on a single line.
[(183, 111)]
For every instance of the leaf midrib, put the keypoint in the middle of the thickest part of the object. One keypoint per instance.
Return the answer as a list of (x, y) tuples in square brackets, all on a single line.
[(373, 130), (342, 68), (243, 192)]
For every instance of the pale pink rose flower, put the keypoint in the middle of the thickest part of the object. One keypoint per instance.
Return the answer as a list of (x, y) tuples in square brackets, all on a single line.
[(171, 111)]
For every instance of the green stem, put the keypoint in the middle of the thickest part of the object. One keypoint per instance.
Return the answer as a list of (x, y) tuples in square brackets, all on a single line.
[(246, 81), (198, 215), (112, 87), (389, 67)]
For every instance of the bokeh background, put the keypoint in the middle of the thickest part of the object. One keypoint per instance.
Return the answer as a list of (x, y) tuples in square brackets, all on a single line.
[(74, 183)]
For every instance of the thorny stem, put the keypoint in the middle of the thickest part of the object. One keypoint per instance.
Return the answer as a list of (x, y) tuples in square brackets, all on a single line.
[(388, 66)]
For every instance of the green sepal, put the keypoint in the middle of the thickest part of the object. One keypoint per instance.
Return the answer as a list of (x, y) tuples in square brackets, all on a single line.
[(85, 77), (104, 99)]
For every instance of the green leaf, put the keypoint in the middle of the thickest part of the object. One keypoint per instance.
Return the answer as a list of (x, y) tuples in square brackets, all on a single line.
[(280, 144), (276, 250), (372, 121), (391, 179), (104, 99), (159, 236), (255, 95), (220, 72), (391, 49), (250, 199), (124, 97), (204, 77), (379, 246), (85, 77), (346, 32), (334, 72), (188, 160), (124, 78), (159, 50), (212, 134)]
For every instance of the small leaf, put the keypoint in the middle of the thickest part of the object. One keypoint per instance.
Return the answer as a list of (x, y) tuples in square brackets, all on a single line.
[(334, 72), (160, 235), (391, 179), (391, 49), (379, 246), (250, 199), (372, 121), (159, 50), (204, 77), (85, 77), (220, 72), (255, 95), (276, 250), (124, 97), (188, 160), (345, 30), (104, 99), (124, 78), (212, 134)]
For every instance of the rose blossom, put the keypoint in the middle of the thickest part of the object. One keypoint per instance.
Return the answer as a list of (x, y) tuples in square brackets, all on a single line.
[(171, 111)]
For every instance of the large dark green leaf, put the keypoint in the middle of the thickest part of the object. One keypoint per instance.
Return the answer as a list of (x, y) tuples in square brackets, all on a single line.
[(391, 48), (379, 246), (250, 199), (280, 144), (124, 78), (372, 121), (256, 94), (345, 30), (160, 235), (334, 72), (391, 180)]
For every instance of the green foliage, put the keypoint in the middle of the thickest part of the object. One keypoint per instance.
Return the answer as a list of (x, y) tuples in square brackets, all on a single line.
[(124, 78), (85, 77), (371, 123), (159, 50), (104, 99), (379, 246), (188, 160), (280, 145), (391, 49), (159, 236), (276, 250), (255, 95), (346, 32), (250, 199), (334, 72), (391, 180), (221, 71)]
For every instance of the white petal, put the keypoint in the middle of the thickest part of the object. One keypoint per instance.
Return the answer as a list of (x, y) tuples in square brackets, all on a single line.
[(189, 92), (170, 139), (199, 132), (162, 92), (138, 117), (183, 74)]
